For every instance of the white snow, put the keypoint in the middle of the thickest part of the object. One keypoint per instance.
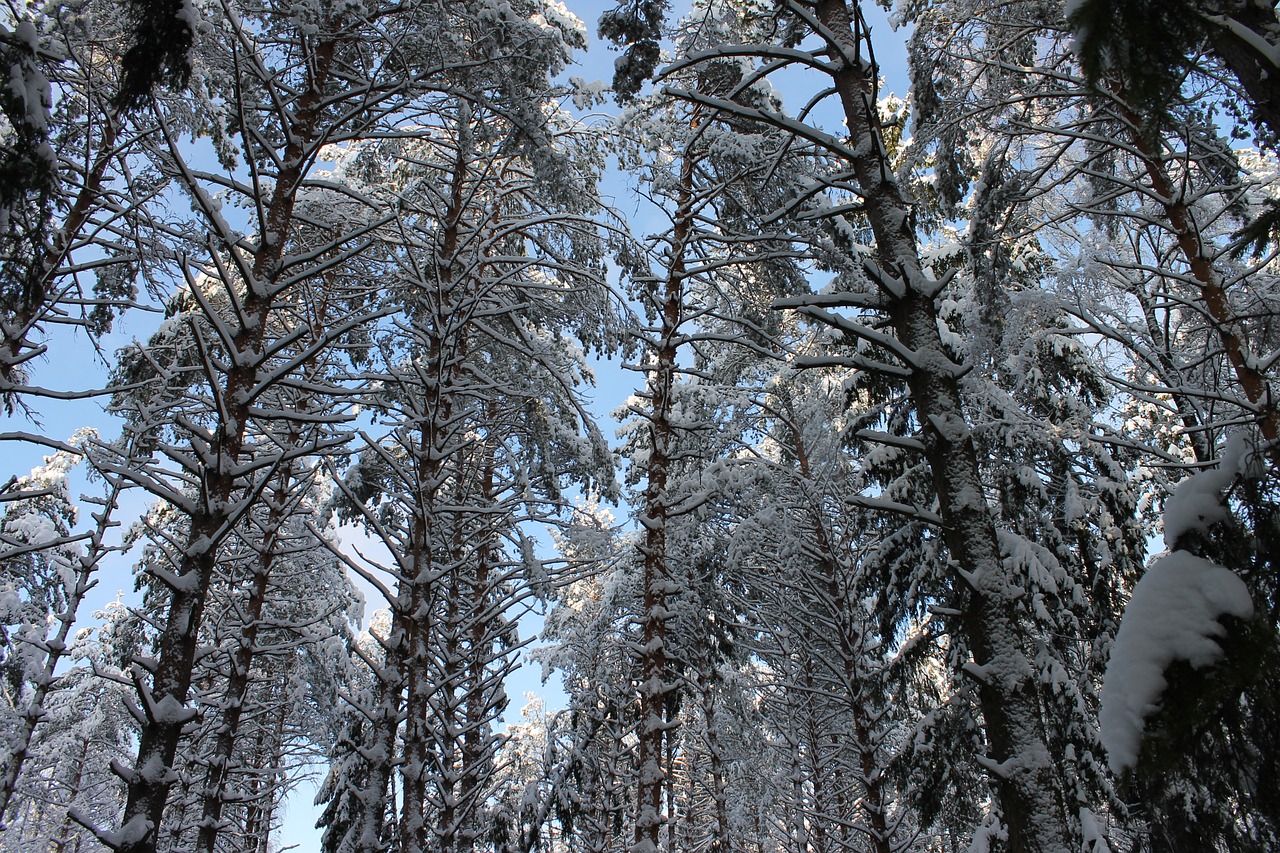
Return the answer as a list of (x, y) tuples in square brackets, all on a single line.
[(31, 528), (1094, 830), (1173, 615), (171, 712), (1071, 7), (1197, 501), (1174, 611), (131, 833), (989, 833), (28, 84)]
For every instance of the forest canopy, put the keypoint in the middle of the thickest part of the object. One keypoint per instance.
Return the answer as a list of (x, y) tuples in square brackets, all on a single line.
[(942, 513)]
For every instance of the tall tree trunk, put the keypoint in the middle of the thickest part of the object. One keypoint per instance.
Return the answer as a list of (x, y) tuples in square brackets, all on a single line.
[(478, 710), (164, 701), (447, 350), (428, 440), (657, 678), (253, 822), (798, 830), (849, 629), (723, 840), (1213, 292), (269, 545), (417, 626), (271, 796), (1028, 791), (215, 791), (366, 833)]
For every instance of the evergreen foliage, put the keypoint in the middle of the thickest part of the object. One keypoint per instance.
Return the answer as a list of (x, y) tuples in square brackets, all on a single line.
[(163, 35), (917, 383), (1147, 46)]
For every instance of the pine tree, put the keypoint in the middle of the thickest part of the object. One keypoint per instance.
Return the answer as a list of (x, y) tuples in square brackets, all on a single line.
[(901, 324), (497, 276), (250, 320), (73, 202)]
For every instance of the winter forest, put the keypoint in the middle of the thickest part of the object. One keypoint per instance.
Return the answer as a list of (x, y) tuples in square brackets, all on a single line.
[(859, 470)]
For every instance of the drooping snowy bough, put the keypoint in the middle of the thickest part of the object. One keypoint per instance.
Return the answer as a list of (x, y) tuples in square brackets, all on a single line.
[(1175, 612), (1173, 616)]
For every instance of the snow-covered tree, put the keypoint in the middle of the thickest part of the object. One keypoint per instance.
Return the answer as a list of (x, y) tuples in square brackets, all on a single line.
[(921, 380), (74, 197), (49, 569), (496, 287), (891, 301), (1141, 194), (270, 265)]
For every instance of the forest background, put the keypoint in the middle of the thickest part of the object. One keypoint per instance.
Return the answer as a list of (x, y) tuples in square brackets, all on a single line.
[(915, 388)]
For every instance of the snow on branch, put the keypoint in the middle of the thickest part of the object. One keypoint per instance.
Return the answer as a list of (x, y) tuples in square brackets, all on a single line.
[(1197, 501), (1174, 613)]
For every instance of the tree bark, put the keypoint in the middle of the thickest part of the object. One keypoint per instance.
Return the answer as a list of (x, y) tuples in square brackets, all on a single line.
[(1213, 292), (1022, 769), (164, 702), (215, 794), (656, 676)]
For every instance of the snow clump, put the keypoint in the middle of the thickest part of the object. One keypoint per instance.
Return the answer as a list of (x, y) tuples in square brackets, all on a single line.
[(1174, 612), (1197, 501)]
